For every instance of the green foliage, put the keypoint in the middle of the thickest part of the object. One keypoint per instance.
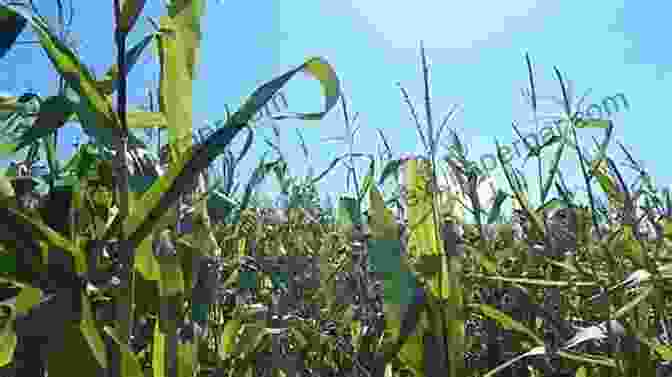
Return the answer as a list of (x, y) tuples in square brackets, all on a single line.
[(324, 289)]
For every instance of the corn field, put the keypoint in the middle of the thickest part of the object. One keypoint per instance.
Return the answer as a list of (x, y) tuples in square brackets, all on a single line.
[(131, 263)]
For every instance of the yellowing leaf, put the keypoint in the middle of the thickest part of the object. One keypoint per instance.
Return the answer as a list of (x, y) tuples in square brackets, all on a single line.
[(381, 220), (322, 71)]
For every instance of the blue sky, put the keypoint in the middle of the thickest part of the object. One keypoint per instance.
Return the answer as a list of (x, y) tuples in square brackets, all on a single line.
[(476, 54)]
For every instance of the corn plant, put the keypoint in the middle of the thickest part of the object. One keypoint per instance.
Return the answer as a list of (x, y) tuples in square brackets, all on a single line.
[(138, 217)]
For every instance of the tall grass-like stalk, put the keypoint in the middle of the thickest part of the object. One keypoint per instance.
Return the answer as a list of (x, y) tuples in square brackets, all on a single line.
[(124, 303), (444, 345)]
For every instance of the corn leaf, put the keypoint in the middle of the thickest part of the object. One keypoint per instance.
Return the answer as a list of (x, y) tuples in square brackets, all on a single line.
[(53, 114), (8, 341), (109, 83), (159, 352), (164, 192), (11, 25), (70, 68), (90, 332), (14, 217), (130, 365), (27, 298), (175, 86)]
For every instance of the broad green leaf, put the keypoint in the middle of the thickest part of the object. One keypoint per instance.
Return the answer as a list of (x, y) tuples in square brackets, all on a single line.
[(42, 231), (381, 220), (175, 87), (607, 182), (399, 283), (70, 68), (321, 70), (187, 15), (11, 25), (228, 338), (90, 332), (631, 247), (6, 188), (165, 192), (158, 352), (130, 365), (185, 359), (145, 261), (667, 228), (664, 351), (8, 342), (128, 14), (423, 237), (54, 112), (27, 298), (172, 278), (506, 321), (7, 149)]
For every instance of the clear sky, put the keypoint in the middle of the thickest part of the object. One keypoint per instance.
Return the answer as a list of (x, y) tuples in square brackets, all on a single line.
[(476, 52)]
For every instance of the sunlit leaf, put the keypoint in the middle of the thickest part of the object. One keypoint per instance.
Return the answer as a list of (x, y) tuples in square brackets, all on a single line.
[(165, 192), (27, 298), (228, 338), (68, 65)]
